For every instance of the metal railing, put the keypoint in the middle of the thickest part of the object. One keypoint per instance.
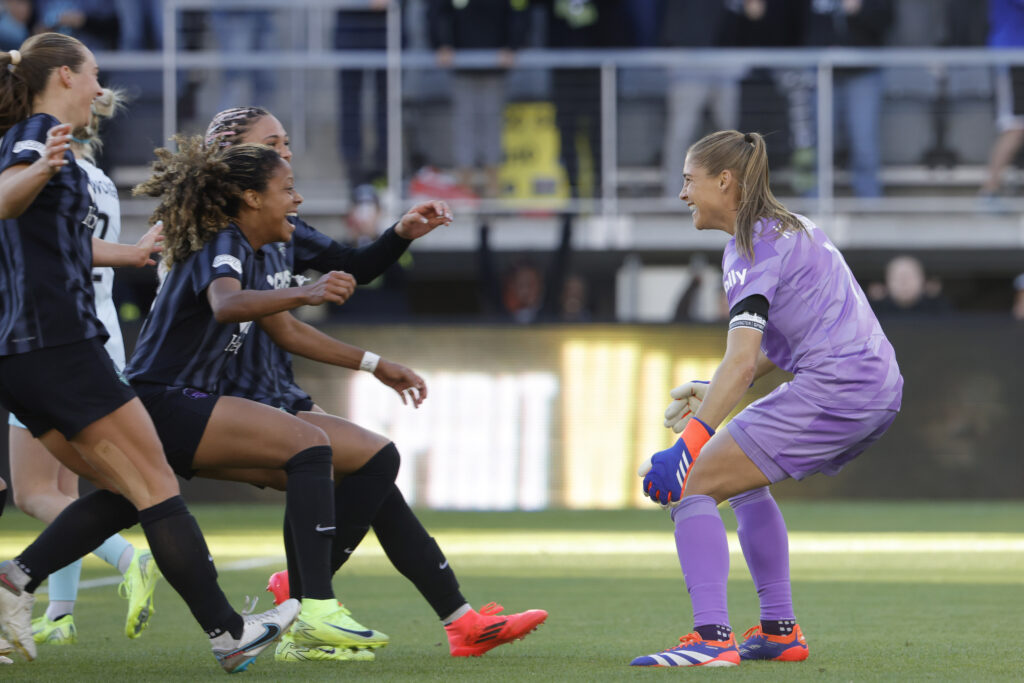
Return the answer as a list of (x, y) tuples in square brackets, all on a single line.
[(398, 63)]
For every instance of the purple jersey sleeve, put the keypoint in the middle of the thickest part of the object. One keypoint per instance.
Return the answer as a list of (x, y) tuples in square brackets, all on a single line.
[(742, 277)]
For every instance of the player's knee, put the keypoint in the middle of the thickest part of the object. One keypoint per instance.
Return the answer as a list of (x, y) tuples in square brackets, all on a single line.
[(312, 436), (33, 501), (384, 463)]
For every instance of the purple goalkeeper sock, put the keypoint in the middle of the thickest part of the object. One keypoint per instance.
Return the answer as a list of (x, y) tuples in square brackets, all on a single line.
[(704, 557), (765, 543)]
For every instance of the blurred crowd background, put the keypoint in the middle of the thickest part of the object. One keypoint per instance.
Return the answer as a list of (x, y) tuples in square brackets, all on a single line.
[(557, 129), (572, 291)]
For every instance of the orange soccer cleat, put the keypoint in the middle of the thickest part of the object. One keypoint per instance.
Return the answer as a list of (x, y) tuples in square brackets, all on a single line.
[(760, 645), (474, 633)]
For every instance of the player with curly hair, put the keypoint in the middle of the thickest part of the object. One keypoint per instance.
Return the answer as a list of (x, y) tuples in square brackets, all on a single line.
[(365, 463), (220, 209)]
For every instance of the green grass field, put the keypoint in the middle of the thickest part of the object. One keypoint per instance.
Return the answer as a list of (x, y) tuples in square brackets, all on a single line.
[(884, 591)]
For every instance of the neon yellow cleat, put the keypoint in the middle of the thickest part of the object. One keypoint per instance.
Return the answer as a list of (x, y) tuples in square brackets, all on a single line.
[(328, 623), (137, 587), (60, 632), (288, 651)]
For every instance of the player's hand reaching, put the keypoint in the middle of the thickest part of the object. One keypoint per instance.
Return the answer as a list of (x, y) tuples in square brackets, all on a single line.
[(334, 287), (666, 471), (409, 385), (58, 141), (688, 398), (423, 218), (151, 243)]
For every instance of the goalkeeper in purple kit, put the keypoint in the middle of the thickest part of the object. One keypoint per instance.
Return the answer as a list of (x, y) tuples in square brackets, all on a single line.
[(795, 305)]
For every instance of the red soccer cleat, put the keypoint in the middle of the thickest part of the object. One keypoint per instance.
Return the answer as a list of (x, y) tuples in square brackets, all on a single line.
[(474, 633), (278, 585)]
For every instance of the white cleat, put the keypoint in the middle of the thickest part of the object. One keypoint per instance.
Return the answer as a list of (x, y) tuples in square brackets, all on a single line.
[(16, 613), (5, 649), (261, 631)]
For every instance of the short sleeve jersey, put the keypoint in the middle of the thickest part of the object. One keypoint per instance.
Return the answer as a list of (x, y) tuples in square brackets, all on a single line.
[(46, 293), (181, 343), (820, 326), (108, 228)]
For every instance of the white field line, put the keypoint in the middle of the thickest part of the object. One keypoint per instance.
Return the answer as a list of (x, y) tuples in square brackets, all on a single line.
[(590, 543)]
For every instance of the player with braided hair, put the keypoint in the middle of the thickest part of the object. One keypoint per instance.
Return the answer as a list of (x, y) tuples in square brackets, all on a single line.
[(365, 464), (794, 305), (57, 378)]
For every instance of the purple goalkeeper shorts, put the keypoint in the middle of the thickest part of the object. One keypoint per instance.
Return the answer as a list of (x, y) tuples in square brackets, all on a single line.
[(788, 435)]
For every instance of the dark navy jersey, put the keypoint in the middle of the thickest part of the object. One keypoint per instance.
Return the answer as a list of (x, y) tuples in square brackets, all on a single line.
[(262, 371), (181, 343), (46, 293)]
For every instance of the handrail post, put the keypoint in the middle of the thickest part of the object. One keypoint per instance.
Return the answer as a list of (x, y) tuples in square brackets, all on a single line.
[(826, 143), (394, 113)]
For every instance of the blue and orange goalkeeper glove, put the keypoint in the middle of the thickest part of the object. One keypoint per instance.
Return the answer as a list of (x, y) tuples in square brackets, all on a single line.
[(666, 471)]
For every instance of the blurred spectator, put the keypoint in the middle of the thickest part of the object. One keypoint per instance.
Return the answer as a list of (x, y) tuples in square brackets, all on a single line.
[(575, 307), (693, 87), (141, 24), (646, 19), (909, 291), (1006, 30), (363, 30), (576, 93), (1018, 297), (775, 23), (524, 294), (94, 22), (478, 95), (15, 20), (243, 31), (857, 103)]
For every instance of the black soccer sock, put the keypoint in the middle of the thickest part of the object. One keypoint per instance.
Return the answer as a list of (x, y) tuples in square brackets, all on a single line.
[(78, 530), (416, 554), (3, 501), (714, 632), (778, 627), (309, 509), (358, 497), (181, 554)]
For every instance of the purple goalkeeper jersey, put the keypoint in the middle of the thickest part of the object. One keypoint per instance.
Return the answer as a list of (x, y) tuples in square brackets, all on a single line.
[(820, 326)]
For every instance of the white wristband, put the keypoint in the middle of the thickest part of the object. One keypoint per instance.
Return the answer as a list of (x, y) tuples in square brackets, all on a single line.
[(369, 361)]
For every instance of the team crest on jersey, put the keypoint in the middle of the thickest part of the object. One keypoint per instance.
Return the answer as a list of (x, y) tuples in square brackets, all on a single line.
[(228, 260)]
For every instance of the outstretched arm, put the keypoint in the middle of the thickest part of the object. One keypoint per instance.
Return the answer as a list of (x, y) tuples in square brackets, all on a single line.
[(368, 262), (136, 255), (304, 340)]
